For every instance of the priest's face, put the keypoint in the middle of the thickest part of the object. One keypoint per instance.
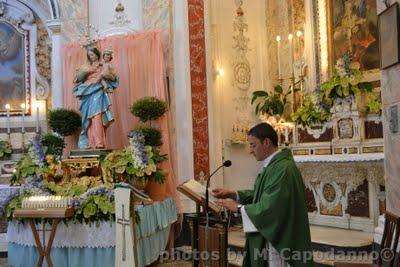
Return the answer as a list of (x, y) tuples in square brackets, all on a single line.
[(260, 150)]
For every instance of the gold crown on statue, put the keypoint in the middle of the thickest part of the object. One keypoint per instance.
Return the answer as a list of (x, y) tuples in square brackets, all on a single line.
[(107, 51), (86, 40)]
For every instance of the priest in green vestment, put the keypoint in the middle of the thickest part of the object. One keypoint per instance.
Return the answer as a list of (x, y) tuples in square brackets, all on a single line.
[(274, 213)]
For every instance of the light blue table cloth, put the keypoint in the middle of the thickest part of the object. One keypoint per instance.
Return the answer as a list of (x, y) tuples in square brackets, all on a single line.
[(152, 235)]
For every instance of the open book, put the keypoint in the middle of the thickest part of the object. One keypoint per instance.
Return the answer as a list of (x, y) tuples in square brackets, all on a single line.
[(196, 191), (139, 195)]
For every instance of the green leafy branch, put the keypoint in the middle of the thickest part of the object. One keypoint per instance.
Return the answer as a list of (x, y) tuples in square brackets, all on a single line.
[(96, 208), (308, 114), (5, 150), (273, 104), (25, 167)]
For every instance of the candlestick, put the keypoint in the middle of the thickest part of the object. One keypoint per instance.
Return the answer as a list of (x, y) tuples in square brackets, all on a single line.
[(278, 40), (290, 37), (37, 119), (23, 128), (286, 136), (23, 117), (8, 107), (299, 35)]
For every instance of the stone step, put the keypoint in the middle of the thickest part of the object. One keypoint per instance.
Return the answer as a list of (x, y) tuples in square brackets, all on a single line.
[(335, 237), (329, 244)]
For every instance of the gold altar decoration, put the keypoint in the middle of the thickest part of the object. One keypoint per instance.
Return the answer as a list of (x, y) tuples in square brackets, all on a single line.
[(74, 167)]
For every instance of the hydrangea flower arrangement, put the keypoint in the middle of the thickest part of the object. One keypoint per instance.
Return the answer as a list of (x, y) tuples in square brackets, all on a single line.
[(135, 161), (31, 163), (345, 81), (95, 205)]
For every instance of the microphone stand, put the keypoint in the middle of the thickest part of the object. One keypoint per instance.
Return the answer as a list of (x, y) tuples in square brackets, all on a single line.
[(207, 216)]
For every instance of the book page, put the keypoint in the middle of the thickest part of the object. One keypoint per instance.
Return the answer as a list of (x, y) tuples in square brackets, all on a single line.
[(199, 190)]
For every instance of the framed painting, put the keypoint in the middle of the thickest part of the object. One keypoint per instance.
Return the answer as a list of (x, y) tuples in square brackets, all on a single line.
[(14, 68), (389, 25), (353, 28)]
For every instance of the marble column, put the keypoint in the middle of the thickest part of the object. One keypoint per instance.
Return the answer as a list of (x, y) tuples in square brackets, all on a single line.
[(56, 64)]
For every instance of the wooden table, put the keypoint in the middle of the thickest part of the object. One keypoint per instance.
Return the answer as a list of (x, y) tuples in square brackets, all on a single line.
[(55, 215)]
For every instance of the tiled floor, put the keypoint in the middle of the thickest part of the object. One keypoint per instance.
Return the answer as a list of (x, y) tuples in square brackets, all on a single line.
[(340, 237)]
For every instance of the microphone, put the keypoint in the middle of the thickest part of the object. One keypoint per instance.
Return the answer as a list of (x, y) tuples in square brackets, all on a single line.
[(227, 163)]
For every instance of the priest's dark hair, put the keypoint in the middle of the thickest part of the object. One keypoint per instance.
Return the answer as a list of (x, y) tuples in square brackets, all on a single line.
[(264, 130)]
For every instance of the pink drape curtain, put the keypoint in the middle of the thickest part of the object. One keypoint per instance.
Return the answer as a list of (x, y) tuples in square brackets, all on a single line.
[(138, 60)]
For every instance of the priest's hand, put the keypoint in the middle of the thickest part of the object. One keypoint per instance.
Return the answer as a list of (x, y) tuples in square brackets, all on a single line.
[(228, 203), (222, 193)]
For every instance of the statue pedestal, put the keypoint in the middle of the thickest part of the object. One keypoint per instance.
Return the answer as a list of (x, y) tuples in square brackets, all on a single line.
[(83, 161), (88, 153)]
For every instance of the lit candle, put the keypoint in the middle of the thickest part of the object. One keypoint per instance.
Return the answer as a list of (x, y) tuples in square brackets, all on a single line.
[(37, 119), (291, 47), (299, 35), (278, 40), (23, 117), (8, 107)]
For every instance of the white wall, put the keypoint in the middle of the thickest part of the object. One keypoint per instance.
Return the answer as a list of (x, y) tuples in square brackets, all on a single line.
[(220, 16), (101, 13)]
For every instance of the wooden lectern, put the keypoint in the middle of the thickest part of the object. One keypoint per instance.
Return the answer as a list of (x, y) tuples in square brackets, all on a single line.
[(214, 253), (55, 215)]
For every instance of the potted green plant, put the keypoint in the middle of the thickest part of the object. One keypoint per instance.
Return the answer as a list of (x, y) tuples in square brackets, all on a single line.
[(311, 113), (63, 121), (53, 144), (149, 110), (134, 164), (270, 104)]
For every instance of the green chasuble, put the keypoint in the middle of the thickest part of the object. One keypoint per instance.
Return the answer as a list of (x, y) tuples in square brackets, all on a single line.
[(277, 208)]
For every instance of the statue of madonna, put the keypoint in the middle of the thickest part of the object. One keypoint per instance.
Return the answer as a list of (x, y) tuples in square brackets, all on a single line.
[(93, 83)]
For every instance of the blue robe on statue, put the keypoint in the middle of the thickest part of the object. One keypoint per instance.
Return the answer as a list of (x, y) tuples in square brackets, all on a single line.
[(94, 100)]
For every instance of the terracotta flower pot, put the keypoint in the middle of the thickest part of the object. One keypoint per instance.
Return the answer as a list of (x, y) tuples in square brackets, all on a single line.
[(156, 191)]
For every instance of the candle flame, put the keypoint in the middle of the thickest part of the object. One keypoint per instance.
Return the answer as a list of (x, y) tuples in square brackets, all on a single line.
[(23, 105), (290, 37), (7, 106), (278, 38), (299, 33)]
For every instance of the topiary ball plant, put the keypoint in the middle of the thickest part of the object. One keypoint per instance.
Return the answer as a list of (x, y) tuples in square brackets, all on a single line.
[(152, 136), (148, 108), (53, 144), (64, 121)]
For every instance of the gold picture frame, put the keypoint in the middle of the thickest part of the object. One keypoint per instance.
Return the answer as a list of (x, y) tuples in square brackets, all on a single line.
[(353, 28), (389, 26), (15, 80)]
